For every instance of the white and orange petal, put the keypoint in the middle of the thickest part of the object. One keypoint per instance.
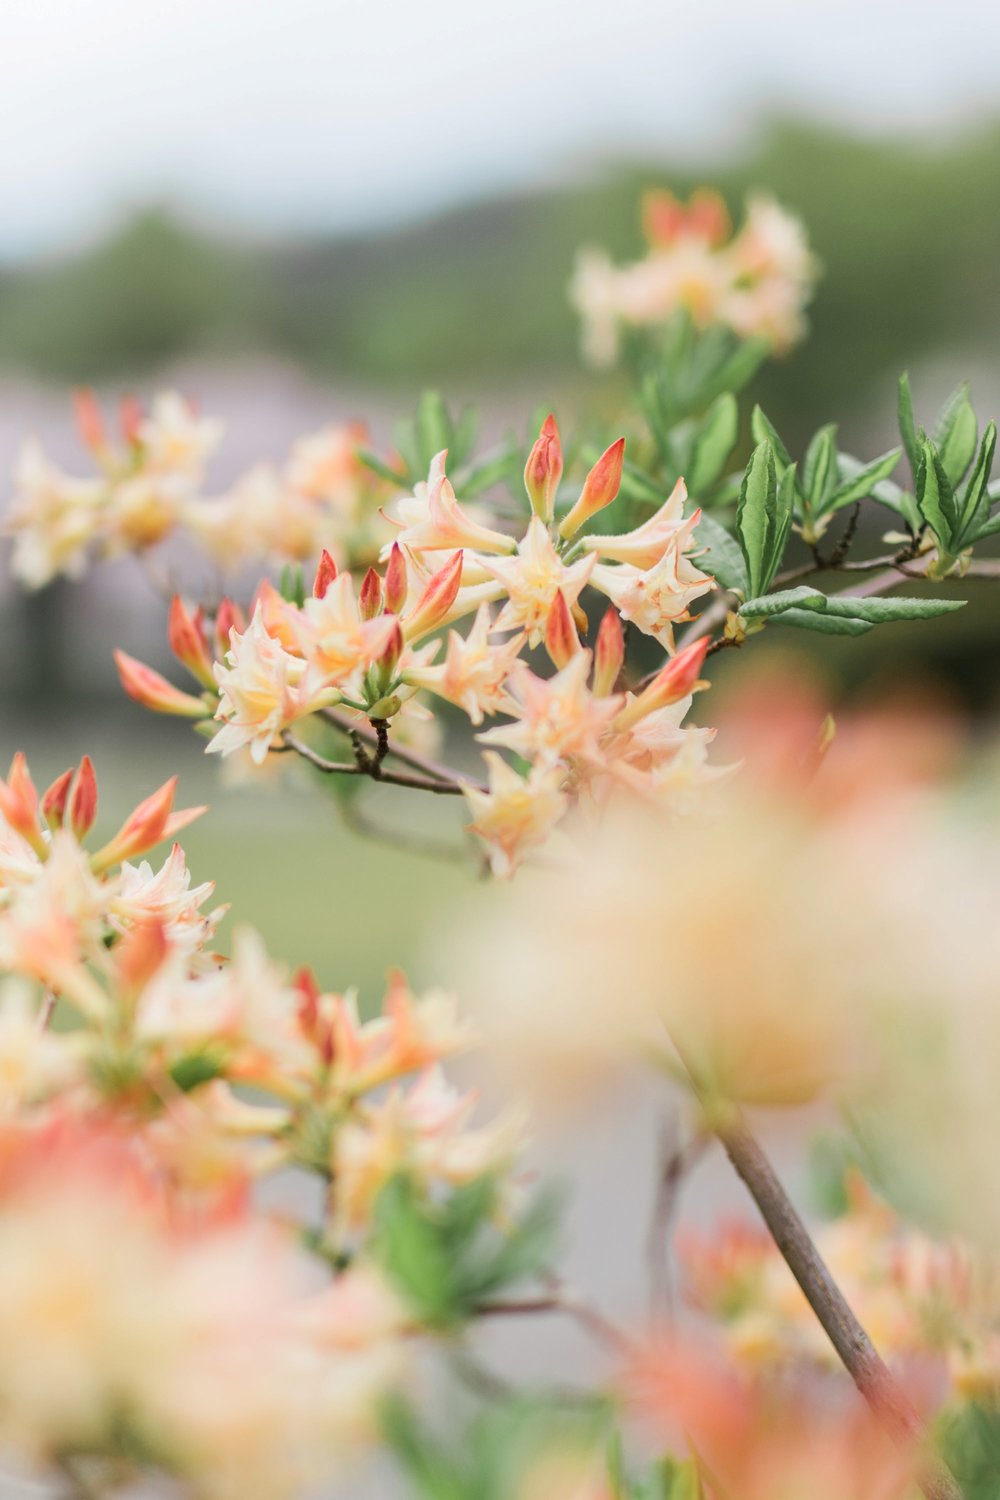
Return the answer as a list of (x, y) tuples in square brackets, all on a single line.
[(515, 814)]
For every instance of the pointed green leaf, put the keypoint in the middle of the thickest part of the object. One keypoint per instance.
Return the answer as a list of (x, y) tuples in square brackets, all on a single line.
[(740, 367), (955, 434), (713, 443), (383, 470), (784, 511), (819, 467), (862, 483), (974, 504), (907, 426), (936, 497), (776, 604), (433, 426), (883, 611), (764, 431), (722, 557), (819, 620), (756, 515)]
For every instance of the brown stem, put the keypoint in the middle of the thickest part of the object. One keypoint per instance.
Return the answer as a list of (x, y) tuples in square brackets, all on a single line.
[(394, 778), (369, 737), (857, 1353), (560, 1300)]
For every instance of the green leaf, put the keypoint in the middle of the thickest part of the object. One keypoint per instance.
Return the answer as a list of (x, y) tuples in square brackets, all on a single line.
[(862, 482), (955, 434), (819, 467), (974, 505), (383, 470), (881, 611), (713, 443), (723, 557), (740, 367), (936, 497), (764, 431), (776, 604), (433, 427), (907, 426), (756, 516), (292, 586), (786, 498), (885, 492), (819, 620)]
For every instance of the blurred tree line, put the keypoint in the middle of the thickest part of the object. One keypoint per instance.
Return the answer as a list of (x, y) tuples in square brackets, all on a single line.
[(909, 238)]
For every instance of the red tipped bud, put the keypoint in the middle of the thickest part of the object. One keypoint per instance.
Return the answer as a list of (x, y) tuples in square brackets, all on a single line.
[(609, 653), (130, 416), (89, 421), (561, 639), (228, 617), (325, 575), (19, 803), (437, 599), (370, 597), (665, 220), (54, 800), (675, 681), (600, 487), (389, 660), (83, 799), (396, 582), (153, 691), (151, 822), (186, 637), (543, 470)]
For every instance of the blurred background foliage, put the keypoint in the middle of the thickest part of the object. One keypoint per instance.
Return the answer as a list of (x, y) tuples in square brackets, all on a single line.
[(909, 238)]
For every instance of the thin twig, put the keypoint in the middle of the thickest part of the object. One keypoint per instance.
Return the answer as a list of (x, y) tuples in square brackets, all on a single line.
[(676, 1162), (394, 778), (560, 1299), (369, 737)]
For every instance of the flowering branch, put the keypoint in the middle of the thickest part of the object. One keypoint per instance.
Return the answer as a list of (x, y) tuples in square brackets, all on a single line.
[(371, 768)]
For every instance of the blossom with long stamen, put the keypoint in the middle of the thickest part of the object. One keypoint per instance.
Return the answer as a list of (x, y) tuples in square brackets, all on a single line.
[(558, 718), (474, 672), (645, 544), (657, 598), (516, 813), (261, 692), (532, 580), (335, 638)]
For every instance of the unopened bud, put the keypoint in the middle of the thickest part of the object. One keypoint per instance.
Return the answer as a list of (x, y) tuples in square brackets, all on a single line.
[(543, 470), (228, 617), (150, 823), (675, 681), (561, 640), (396, 582), (90, 422), (153, 691), (385, 708), (54, 800), (609, 653), (186, 637), (600, 487), (436, 600), (83, 799), (370, 597), (19, 803), (326, 572)]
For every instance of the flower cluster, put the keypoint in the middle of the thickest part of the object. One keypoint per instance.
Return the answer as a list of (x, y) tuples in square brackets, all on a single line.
[(756, 282), (150, 485), (370, 651), (128, 1153)]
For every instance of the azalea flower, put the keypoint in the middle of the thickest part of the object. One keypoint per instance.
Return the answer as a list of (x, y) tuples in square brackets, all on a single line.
[(533, 579), (474, 672), (261, 692), (655, 599), (517, 813), (558, 718), (431, 520)]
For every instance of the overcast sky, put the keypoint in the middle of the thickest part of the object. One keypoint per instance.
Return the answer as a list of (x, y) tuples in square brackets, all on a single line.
[(292, 114)]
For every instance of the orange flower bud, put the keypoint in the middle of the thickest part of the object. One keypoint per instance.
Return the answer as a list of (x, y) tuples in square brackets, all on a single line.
[(370, 595), (228, 617), (325, 575), (83, 801), (609, 653), (436, 600), (600, 487), (89, 421), (186, 637), (54, 800), (131, 418), (561, 639), (140, 953), (675, 681), (396, 582), (19, 803), (543, 470), (153, 691), (150, 823)]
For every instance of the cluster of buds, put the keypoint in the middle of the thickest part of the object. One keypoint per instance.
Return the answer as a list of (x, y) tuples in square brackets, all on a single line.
[(367, 648), (756, 282), (149, 485)]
